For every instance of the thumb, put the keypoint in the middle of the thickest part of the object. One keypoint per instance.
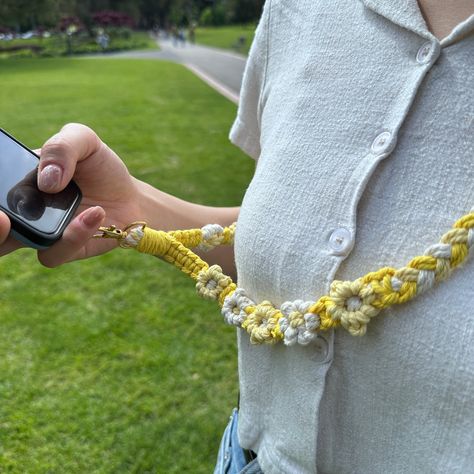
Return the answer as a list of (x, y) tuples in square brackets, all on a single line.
[(61, 153)]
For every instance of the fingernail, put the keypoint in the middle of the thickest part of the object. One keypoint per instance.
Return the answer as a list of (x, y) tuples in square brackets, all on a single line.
[(50, 177), (92, 216)]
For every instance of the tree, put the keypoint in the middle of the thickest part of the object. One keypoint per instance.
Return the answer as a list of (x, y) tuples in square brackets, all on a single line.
[(245, 11), (20, 15), (154, 12), (25, 14)]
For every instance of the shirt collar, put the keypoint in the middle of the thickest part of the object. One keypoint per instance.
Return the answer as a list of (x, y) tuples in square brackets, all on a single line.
[(460, 32), (407, 13)]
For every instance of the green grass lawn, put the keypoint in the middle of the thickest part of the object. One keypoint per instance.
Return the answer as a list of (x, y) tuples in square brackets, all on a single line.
[(227, 37), (114, 365)]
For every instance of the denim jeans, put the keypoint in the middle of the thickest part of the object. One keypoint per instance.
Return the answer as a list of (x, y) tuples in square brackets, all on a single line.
[(231, 457)]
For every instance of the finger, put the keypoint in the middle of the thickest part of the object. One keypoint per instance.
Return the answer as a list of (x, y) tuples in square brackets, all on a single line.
[(75, 237), (7, 244), (60, 154), (4, 227)]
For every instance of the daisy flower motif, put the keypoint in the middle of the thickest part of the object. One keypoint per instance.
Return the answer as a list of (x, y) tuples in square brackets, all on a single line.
[(350, 302), (234, 306), (211, 282), (261, 323), (298, 325)]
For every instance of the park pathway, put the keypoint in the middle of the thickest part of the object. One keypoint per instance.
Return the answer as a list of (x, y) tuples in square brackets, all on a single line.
[(222, 70)]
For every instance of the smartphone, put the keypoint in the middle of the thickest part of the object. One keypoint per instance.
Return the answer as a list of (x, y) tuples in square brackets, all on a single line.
[(37, 219)]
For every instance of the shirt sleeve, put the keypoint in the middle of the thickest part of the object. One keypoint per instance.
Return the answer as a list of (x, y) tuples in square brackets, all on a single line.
[(245, 132)]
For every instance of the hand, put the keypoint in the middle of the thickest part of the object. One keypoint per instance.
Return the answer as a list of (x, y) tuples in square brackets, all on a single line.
[(110, 195)]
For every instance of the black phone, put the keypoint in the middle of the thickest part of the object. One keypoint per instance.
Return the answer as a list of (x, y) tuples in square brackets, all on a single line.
[(37, 219)]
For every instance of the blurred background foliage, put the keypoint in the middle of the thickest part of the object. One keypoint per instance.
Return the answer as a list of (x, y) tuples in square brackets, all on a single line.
[(24, 15), (48, 28)]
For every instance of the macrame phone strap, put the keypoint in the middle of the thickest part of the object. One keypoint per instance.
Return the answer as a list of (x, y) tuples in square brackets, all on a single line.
[(349, 304)]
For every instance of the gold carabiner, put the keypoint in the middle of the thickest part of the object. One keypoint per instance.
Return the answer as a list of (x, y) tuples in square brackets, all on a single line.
[(112, 232)]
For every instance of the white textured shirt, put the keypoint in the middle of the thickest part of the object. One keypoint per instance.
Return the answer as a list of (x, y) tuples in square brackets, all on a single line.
[(362, 124)]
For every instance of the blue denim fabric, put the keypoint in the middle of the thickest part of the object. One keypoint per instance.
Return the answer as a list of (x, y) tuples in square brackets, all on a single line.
[(231, 457)]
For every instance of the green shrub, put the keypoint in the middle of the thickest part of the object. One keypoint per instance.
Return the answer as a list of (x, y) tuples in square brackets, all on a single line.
[(206, 18), (119, 32), (215, 16), (121, 38)]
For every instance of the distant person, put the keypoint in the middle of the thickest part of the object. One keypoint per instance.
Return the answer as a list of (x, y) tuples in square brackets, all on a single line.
[(182, 37), (103, 40), (192, 32), (239, 45), (242, 41), (174, 34)]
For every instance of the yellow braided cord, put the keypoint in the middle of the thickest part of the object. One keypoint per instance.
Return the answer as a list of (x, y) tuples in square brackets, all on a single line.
[(189, 238), (350, 304), (164, 245), (207, 238)]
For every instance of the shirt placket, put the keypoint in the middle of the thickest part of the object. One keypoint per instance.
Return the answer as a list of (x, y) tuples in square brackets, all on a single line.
[(420, 60)]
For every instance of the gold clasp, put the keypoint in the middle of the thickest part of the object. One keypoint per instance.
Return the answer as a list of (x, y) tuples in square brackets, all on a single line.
[(110, 232)]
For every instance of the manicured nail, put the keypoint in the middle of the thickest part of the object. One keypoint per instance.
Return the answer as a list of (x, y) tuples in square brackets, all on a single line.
[(50, 177), (92, 217)]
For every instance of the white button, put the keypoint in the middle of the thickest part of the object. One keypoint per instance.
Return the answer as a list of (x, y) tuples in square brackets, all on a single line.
[(340, 241), (322, 347), (424, 53), (382, 144)]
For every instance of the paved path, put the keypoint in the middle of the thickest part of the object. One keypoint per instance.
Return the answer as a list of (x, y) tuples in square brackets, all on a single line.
[(222, 70)]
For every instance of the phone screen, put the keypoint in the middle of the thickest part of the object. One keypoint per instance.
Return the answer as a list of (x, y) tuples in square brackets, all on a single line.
[(19, 193)]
